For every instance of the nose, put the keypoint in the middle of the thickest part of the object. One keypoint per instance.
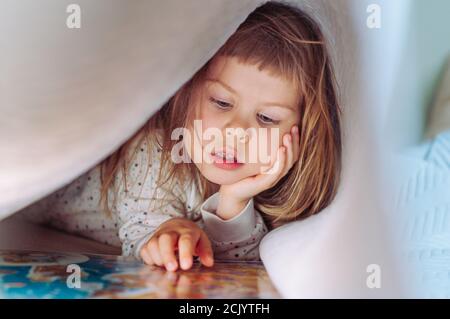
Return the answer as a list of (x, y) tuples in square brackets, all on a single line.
[(239, 128), (242, 134)]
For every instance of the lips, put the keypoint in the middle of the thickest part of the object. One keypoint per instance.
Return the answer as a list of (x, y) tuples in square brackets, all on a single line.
[(226, 155)]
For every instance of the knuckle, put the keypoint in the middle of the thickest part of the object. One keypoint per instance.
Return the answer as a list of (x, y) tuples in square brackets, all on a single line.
[(186, 238), (153, 245), (165, 236), (164, 239), (188, 233)]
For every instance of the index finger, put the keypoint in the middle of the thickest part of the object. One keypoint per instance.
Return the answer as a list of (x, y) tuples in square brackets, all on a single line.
[(186, 244), (167, 250), (295, 142), (205, 251)]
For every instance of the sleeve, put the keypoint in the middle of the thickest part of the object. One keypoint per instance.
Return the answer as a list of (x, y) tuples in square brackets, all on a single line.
[(137, 228), (140, 216), (236, 238)]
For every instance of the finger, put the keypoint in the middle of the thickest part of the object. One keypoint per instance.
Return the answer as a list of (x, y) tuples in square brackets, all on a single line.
[(289, 153), (296, 142), (153, 250), (146, 257), (186, 250), (278, 165), (166, 249), (281, 165), (270, 178), (272, 161), (204, 250)]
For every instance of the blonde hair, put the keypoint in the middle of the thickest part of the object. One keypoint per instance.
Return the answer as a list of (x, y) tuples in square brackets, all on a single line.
[(284, 40)]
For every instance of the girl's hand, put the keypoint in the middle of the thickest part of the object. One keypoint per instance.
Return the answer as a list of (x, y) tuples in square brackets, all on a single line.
[(178, 234), (234, 197)]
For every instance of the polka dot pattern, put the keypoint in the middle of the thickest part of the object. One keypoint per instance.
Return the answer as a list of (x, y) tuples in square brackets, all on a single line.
[(140, 209)]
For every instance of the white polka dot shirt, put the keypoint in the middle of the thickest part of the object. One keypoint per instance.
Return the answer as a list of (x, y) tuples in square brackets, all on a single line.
[(140, 209)]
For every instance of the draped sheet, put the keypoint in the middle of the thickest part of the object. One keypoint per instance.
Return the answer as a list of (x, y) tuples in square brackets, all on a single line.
[(70, 97)]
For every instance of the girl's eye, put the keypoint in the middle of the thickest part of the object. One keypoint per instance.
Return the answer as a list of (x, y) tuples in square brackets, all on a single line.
[(266, 120), (220, 104)]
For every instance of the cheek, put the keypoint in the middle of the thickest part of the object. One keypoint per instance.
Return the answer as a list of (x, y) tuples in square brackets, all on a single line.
[(209, 118), (275, 141), (211, 122), (205, 119)]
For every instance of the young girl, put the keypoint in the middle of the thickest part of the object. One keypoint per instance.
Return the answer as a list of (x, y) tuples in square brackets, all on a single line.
[(274, 72)]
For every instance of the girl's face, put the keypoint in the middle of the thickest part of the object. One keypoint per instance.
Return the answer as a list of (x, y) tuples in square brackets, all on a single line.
[(241, 97)]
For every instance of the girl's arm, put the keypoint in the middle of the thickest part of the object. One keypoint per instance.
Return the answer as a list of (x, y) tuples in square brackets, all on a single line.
[(238, 234), (137, 227), (236, 238)]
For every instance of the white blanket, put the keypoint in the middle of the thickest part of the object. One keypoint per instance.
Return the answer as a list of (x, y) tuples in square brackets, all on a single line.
[(69, 97)]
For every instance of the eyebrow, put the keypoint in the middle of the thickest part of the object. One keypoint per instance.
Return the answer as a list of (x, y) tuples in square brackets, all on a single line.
[(229, 88)]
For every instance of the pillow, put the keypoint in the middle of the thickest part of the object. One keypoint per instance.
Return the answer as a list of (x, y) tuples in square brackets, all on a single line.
[(423, 212)]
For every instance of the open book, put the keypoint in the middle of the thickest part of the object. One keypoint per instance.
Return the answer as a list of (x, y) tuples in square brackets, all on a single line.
[(36, 262)]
